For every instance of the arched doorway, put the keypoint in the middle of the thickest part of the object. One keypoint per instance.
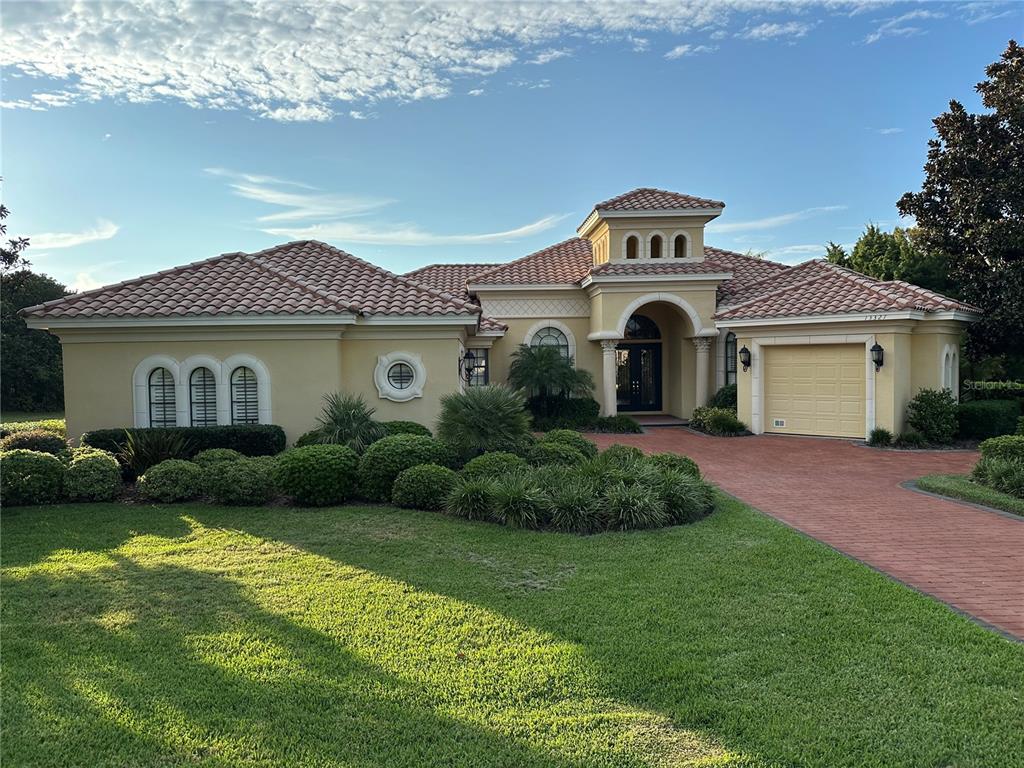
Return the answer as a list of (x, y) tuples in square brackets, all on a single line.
[(638, 366)]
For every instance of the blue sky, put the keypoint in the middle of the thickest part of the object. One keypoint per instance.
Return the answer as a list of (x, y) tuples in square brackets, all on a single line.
[(135, 138)]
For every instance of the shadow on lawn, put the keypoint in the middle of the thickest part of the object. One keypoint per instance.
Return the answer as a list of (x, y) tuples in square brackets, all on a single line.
[(168, 665)]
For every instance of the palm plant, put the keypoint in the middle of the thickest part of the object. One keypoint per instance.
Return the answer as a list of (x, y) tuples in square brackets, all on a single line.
[(143, 449), (347, 420), (543, 372), (483, 419)]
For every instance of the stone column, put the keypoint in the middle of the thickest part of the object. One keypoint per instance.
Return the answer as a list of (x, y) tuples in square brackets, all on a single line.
[(608, 375), (703, 346)]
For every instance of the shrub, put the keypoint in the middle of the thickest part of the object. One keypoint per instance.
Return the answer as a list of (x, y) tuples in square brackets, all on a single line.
[(1020, 426), (932, 412), (630, 507), (576, 507), (386, 459), (56, 426), (40, 440), (347, 420), (725, 424), (618, 424), (554, 453), (621, 455), (910, 440), (880, 438), (214, 456), (701, 416), (147, 448), (171, 480), (571, 438), (307, 438), (425, 486), (30, 477), (518, 501), (472, 499), (492, 465), (405, 428), (482, 419), (563, 412), (317, 475), (1004, 475), (686, 498), (1005, 447), (245, 481), (987, 418), (93, 475), (724, 398), (674, 462), (544, 373), (249, 439)]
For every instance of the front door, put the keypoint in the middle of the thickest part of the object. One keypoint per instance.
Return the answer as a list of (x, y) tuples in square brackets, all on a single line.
[(638, 377)]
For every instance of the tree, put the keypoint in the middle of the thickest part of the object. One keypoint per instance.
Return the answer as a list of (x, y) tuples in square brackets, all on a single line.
[(31, 371), (543, 372), (11, 253), (971, 204), (895, 255)]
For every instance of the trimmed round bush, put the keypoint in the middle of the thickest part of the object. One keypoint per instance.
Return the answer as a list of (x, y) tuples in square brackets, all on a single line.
[(932, 412), (725, 397), (171, 480), (1005, 447), (880, 438), (686, 498), (317, 475), (93, 475), (308, 438), (674, 461), (724, 423), (576, 507), (386, 459), (405, 428), (472, 499), (554, 453), (519, 502), (243, 482), (572, 438), (425, 486), (632, 507), (493, 465), (520, 446), (30, 477), (621, 454), (40, 440), (213, 456)]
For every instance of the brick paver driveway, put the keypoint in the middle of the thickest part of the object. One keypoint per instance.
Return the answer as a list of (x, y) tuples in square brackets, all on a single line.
[(849, 497)]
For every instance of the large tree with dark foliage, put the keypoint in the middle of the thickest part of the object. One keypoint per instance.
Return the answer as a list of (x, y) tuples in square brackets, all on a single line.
[(896, 255), (971, 205)]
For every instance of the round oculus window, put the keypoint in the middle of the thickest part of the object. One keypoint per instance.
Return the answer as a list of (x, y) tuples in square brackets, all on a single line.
[(401, 375)]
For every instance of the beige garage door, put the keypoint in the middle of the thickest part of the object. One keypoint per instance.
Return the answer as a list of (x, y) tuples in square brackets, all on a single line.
[(815, 390)]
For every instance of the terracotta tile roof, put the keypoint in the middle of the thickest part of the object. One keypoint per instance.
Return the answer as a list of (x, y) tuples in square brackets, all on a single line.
[(303, 277), (451, 278), (745, 270), (649, 199), (820, 288), (565, 262), (658, 267)]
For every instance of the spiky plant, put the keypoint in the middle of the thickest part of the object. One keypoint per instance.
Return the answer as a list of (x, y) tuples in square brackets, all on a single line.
[(148, 447), (576, 507), (519, 501), (483, 419), (687, 498), (472, 499), (630, 507), (543, 372), (347, 420)]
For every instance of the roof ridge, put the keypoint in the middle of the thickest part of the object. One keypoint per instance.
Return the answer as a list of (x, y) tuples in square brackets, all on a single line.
[(748, 257), (253, 258), (527, 256)]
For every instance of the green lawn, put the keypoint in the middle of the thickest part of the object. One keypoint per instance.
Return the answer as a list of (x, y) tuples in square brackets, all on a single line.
[(186, 635), (8, 416), (963, 488)]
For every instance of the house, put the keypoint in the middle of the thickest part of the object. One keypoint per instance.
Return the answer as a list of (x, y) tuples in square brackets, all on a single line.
[(660, 319)]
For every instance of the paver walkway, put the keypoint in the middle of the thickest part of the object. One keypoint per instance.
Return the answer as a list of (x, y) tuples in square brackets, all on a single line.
[(849, 497)]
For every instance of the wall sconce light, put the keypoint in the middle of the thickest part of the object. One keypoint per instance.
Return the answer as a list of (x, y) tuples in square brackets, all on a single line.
[(745, 358), (467, 365), (877, 355)]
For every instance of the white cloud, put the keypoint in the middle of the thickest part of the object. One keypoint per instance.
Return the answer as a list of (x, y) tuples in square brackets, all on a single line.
[(902, 26), (978, 12), (886, 131), (772, 222), (342, 218), (690, 50), (106, 137), (476, 92), (311, 60), (771, 30), (104, 230)]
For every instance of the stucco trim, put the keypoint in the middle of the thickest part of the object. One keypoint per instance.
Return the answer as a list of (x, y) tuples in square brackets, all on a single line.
[(687, 250), (664, 245), (183, 392), (262, 386), (949, 369), (384, 388), (569, 335), (757, 372), (640, 246), (668, 298), (140, 388)]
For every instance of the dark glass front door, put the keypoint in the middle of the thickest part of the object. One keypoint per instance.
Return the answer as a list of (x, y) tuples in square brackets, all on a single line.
[(638, 377)]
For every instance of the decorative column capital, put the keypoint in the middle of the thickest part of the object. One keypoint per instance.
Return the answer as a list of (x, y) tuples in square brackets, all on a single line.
[(702, 343), (609, 345)]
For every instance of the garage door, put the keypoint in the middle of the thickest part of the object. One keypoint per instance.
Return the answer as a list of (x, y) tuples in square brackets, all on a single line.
[(815, 390)]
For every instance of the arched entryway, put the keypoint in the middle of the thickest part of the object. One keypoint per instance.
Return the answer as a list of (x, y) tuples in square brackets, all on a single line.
[(638, 366)]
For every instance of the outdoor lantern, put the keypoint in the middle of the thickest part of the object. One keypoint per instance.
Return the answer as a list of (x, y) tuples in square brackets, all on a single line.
[(745, 358), (467, 364), (877, 355)]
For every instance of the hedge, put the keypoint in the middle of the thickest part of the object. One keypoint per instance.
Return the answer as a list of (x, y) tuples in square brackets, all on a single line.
[(57, 426), (30, 477), (317, 475), (386, 459), (424, 486), (987, 418), (93, 475), (1008, 447), (171, 480), (34, 440), (248, 439), (405, 428)]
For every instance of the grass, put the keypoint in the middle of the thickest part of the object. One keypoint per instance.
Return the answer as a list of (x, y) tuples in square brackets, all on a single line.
[(963, 488), (183, 635), (7, 417)]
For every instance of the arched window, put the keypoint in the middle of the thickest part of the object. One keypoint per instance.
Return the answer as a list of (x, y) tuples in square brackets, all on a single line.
[(641, 327), (202, 395), (551, 337), (730, 358), (162, 406), (632, 247), (656, 247), (245, 408), (679, 247)]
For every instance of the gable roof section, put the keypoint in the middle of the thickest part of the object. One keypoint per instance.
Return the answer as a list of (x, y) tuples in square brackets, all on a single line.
[(820, 288), (566, 262), (745, 270), (450, 278), (650, 199), (297, 278)]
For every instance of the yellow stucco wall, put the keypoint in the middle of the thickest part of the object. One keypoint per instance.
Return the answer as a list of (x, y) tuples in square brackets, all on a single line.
[(610, 304), (618, 229)]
